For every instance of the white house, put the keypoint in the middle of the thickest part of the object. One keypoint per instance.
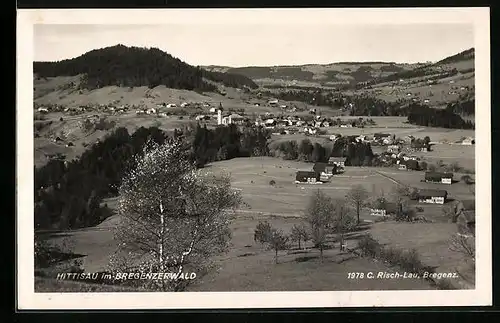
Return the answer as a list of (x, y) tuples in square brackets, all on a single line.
[(270, 122), (468, 141), (339, 161), (432, 196), (212, 110), (171, 105), (378, 212), (43, 110)]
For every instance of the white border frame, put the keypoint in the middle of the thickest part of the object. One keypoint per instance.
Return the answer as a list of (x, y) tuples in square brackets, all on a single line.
[(28, 299)]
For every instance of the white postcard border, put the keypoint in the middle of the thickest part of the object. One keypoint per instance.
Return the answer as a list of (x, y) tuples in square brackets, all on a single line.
[(28, 299)]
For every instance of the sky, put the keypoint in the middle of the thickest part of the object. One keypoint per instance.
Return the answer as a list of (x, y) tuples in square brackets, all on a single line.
[(260, 44)]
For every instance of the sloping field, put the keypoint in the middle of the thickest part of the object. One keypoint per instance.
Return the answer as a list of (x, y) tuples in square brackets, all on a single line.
[(253, 175), (432, 242), (250, 267)]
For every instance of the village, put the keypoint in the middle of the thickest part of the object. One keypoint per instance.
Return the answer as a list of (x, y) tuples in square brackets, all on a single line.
[(415, 180)]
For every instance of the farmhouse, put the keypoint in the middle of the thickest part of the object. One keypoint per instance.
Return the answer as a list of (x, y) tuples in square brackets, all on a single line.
[(393, 148), (432, 196), (273, 102), (325, 169), (438, 177), (236, 118), (307, 177), (385, 210), (468, 141), (402, 167), (338, 161)]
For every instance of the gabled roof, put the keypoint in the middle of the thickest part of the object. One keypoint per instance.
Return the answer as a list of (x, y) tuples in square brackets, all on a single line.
[(319, 167), (432, 193), (336, 159), (438, 175), (302, 175)]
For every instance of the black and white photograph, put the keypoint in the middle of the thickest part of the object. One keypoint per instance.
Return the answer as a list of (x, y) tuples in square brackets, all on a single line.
[(258, 157)]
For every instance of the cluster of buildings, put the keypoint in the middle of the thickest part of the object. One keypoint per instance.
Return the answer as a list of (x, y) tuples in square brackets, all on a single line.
[(321, 172), (79, 109)]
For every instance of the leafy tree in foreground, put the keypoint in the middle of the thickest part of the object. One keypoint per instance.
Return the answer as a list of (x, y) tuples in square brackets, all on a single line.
[(262, 232), (173, 218)]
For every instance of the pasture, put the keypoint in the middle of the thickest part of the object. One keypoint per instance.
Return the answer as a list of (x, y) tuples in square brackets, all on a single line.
[(250, 267)]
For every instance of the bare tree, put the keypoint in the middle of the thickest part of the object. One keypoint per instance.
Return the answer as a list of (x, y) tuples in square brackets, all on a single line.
[(299, 233), (277, 241), (173, 218), (464, 244), (319, 214), (342, 221), (400, 194), (357, 197)]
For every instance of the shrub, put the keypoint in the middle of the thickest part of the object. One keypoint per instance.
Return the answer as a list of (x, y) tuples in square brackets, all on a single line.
[(410, 260), (369, 246), (272, 182), (391, 255)]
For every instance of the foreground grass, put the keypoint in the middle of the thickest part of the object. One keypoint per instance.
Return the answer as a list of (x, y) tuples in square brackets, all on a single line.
[(51, 285)]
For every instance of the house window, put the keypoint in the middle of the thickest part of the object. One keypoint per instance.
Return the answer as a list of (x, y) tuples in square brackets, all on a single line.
[(446, 180)]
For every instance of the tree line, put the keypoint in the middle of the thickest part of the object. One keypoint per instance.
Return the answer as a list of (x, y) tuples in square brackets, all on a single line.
[(423, 115), (465, 105), (68, 194), (133, 66), (356, 105), (356, 153), (222, 143)]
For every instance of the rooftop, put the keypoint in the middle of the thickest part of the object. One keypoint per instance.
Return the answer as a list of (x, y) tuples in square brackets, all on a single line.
[(432, 193)]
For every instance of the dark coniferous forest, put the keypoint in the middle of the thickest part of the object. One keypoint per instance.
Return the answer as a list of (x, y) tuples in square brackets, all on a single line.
[(423, 115), (69, 194), (133, 66)]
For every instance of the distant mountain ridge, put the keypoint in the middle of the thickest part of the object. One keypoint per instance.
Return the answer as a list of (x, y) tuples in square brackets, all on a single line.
[(133, 66), (341, 73)]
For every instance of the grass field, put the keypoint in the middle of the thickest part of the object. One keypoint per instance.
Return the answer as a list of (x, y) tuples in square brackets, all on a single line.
[(249, 267)]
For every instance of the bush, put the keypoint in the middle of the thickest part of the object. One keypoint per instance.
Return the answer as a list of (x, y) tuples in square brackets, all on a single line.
[(391, 255), (272, 182), (369, 246), (410, 260)]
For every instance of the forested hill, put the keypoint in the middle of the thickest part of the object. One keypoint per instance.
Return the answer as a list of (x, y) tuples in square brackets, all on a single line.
[(133, 66), (462, 56)]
